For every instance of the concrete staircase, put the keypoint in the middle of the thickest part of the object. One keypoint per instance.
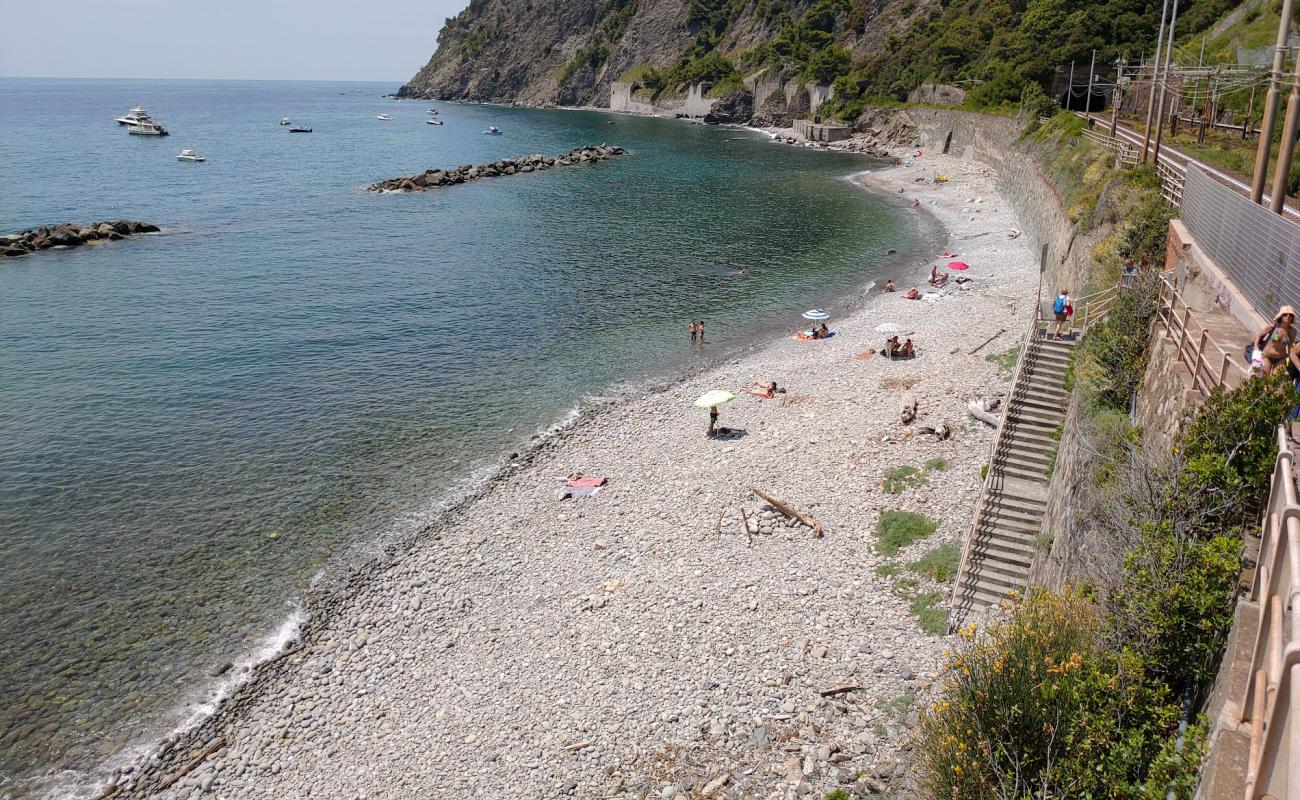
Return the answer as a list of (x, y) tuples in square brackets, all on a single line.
[(1006, 528)]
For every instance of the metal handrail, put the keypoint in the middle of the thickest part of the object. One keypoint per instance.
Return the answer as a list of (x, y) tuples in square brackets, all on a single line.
[(1272, 698), (1207, 371), (994, 474)]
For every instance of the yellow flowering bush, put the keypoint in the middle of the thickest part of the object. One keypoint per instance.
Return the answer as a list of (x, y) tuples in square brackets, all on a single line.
[(1038, 707)]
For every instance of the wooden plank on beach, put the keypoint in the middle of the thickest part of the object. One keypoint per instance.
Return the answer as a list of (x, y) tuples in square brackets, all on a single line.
[(791, 511), (986, 341), (216, 745)]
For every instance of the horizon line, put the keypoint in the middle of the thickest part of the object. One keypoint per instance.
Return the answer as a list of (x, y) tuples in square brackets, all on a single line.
[(399, 82)]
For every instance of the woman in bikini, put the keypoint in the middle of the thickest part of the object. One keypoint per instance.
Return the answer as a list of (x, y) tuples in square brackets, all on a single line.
[(1275, 341)]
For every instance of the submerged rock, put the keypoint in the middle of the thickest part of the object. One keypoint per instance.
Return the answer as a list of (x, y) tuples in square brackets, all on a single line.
[(432, 178)]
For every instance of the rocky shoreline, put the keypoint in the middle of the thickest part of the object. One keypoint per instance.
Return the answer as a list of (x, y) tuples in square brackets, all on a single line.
[(641, 642), (68, 234), (433, 178)]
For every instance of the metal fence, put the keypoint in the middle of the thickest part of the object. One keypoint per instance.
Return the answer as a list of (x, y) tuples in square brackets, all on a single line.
[(1259, 250)]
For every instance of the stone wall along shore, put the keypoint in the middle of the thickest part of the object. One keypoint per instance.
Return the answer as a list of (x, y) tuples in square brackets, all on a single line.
[(68, 234), (506, 166)]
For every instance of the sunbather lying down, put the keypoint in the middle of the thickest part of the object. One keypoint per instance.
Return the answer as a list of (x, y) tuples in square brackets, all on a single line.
[(764, 390)]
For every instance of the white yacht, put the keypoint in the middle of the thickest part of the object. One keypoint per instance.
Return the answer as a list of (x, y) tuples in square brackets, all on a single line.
[(284, 120), (133, 117), (146, 129), (190, 155), (492, 131), (384, 117), (433, 122), (432, 111)]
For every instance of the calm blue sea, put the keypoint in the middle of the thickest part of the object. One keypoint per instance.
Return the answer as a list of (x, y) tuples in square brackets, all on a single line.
[(194, 424)]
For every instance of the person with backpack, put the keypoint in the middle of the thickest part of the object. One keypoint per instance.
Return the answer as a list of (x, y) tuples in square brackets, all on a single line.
[(1274, 343), (1062, 310)]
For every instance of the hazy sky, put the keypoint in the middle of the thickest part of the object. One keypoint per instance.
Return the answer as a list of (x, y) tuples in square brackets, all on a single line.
[(385, 40)]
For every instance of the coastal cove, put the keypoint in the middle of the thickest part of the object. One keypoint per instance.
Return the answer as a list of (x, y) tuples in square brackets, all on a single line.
[(521, 645), (301, 374)]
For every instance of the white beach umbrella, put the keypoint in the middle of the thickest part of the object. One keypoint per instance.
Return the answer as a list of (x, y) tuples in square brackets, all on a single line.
[(816, 314)]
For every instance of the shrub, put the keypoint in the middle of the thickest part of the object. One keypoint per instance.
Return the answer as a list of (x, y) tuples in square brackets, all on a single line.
[(897, 529), (1175, 604), (1039, 708), (897, 479), (940, 564), (1116, 350), (1230, 446), (936, 464)]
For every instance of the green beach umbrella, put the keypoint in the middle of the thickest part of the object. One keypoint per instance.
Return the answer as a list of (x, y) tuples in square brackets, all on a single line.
[(714, 397)]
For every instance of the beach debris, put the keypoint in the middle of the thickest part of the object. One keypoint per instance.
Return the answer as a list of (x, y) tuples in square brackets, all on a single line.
[(942, 432), (744, 525), (983, 410), (791, 512), (213, 746), (986, 341), (907, 408), (1014, 233), (841, 689)]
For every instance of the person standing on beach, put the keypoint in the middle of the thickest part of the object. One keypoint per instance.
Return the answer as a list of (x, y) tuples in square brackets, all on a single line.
[(713, 421), (1062, 310)]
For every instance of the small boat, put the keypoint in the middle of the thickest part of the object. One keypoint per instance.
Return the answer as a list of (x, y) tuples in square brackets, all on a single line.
[(432, 111), (284, 120), (300, 129), (146, 129), (384, 117), (190, 155), (433, 122), (134, 116), (492, 131)]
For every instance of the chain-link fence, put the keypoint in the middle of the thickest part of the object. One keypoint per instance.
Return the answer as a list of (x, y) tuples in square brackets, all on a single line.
[(1259, 250)]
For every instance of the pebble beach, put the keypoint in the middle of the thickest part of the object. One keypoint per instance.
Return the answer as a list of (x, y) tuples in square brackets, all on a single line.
[(644, 641)]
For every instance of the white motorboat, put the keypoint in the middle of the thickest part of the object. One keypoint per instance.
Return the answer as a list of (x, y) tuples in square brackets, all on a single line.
[(133, 117), (384, 117), (433, 122), (284, 120), (432, 111), (300, 128), (147, 129), (190, 155), (492, 131)]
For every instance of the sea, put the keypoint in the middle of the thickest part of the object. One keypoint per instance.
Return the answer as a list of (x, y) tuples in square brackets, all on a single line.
[(195, 425)]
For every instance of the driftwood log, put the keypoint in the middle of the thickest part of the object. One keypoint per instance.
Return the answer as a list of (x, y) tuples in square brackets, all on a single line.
[(907, 408), (744, 525), (791, 512), (986, 341), (980, 410), (213, 747), (834, 690)]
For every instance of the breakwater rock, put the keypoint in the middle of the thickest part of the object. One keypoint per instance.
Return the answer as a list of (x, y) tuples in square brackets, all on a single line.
[(67, 234), (506, 166)]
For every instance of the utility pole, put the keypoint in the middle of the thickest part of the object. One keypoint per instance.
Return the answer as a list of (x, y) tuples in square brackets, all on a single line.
[(1087, 103), (1270, 107), (1069, 93), (1115, 101), (1151, 101), (1250, 110), (1278, 201), (1169, 53)]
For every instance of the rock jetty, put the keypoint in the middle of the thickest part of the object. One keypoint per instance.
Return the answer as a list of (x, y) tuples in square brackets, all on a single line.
[(506, 166), (68, 234)]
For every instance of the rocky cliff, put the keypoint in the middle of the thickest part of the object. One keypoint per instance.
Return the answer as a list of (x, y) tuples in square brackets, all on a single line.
[(569, 52)]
